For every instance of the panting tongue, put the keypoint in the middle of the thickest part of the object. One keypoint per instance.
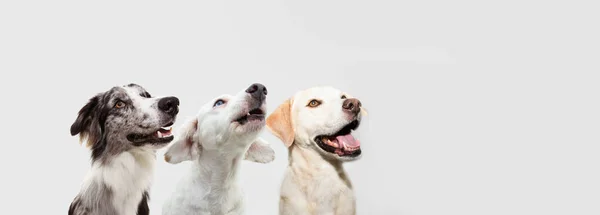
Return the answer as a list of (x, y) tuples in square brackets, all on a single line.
[(348, 141)]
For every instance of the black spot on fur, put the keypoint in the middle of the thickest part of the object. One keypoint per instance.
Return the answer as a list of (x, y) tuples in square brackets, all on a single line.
[(73, 206), (143, 208), (132, 85), (90, 123), (85, 115), (117, 113), (76, 208), (145, 94), (98, 149)]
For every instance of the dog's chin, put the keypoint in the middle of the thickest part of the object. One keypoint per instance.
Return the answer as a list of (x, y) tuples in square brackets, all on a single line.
[(341, 144), (157, 139), (252, 121)]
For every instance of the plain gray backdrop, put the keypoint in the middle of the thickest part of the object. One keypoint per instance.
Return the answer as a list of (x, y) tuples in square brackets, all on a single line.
[(475, 107)]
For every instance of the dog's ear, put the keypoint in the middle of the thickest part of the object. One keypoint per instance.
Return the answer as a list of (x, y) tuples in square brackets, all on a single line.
[(280, 123), (184, 147), (87, 124), (260, 152)]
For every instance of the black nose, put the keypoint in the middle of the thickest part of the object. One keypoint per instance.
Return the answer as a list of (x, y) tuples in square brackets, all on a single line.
[(352, 105), (169, 105), (257, 91)]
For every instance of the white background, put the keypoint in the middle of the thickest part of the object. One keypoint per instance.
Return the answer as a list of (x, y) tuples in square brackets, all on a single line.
[(476, 107)]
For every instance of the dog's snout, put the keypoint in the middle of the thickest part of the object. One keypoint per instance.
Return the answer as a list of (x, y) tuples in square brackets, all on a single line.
[(258, 91), (352, 105), (169, 105)]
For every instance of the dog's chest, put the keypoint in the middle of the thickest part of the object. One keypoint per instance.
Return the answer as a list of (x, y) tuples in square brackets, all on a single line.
[(205, 199), (128, 175), (207, 190), (326, 183), (323, 189)]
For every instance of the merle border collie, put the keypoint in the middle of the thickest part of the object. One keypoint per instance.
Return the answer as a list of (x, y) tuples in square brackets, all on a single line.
[(123, 127)]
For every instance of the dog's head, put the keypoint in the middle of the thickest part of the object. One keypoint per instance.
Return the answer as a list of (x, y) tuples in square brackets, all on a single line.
[(125, 117), (322, 118), (229, 124)]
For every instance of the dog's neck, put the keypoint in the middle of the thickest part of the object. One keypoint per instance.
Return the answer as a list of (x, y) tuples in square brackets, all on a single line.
[(120, 180), (308, 160), (218, 168)]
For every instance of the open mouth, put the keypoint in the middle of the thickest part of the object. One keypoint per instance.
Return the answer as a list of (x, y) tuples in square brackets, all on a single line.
[(162, 135), (342, 142), (253, 115), (164, 131)]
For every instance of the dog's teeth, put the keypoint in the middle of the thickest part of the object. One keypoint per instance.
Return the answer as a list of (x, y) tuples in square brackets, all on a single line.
[(159, 134), (332, 143)]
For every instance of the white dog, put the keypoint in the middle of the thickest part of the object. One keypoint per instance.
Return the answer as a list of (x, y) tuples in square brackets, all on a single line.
[(316, 125), (224, 132)]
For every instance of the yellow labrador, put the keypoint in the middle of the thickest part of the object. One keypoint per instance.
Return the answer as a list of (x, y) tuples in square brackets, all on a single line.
[(316, 125)]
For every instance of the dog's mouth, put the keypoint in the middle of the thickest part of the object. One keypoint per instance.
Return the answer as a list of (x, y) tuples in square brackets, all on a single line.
[(162, 135), (342, 142), (254, 115)]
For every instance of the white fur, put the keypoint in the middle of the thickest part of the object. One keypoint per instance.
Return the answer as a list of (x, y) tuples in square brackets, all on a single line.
[(145, 106), (216, 147), (123, 172), (315, 181), (129, 174)]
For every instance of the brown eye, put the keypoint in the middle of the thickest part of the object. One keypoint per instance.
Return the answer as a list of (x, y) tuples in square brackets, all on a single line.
[(314, 103), (119, 104), (343, 96)]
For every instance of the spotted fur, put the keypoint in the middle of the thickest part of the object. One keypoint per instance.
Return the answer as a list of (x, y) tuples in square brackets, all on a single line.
[(119, 127)]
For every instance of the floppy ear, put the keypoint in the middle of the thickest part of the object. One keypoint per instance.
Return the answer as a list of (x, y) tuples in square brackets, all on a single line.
[(184, 148), (280, 123), (260, 152), (87, 124)]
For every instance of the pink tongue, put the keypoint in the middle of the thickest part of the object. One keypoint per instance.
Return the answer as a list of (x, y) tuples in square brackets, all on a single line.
[(347, 140)]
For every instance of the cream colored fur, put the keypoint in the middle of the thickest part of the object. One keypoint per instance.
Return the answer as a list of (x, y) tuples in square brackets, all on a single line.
[(315, 182)]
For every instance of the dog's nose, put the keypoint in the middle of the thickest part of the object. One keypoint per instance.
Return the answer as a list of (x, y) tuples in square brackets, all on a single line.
[(352, 105), (169, 105), (258, 91)]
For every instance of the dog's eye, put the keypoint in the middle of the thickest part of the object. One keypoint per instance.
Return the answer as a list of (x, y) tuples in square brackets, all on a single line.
[(343, 96), (219, 103), (314, 103), (119, 104)]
